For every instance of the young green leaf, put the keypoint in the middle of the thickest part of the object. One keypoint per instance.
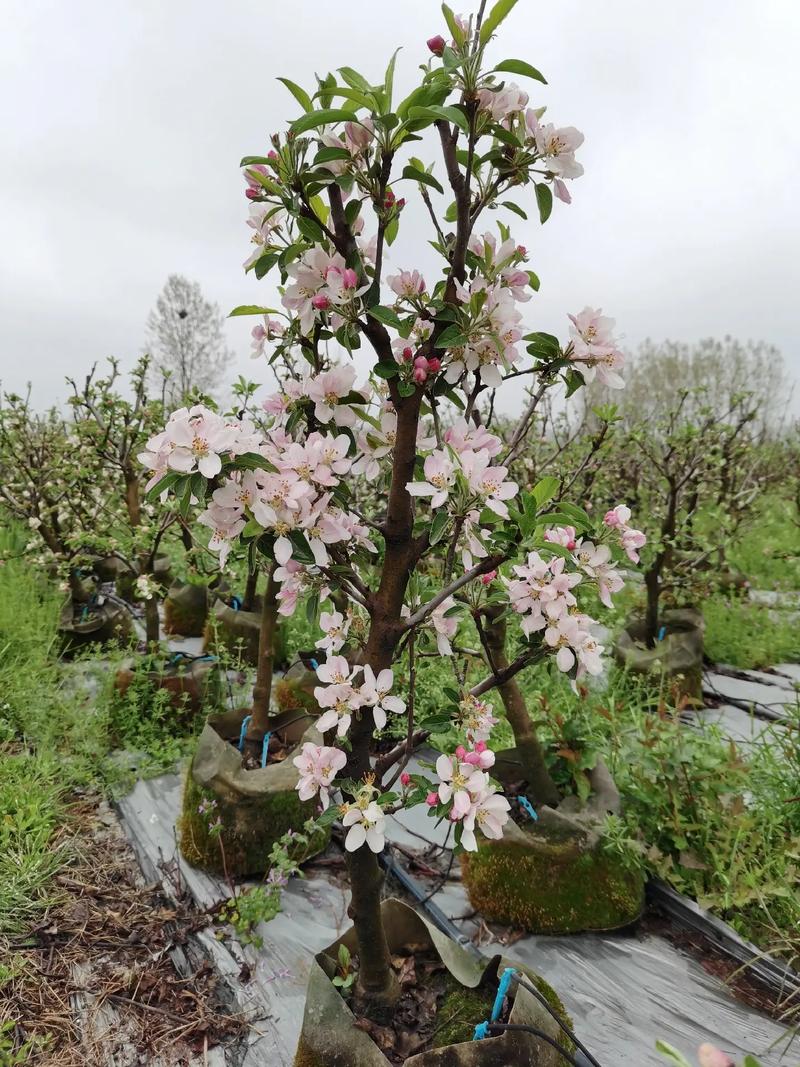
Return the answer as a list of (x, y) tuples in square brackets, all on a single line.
[(251, 309), (544, 198), (423, 177), (300, 95), (519, 66), (500, 11), (452, 24), (385, 315), (322, 118)]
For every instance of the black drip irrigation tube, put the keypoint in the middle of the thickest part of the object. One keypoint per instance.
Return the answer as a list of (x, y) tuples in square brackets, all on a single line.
[(580, 1058)]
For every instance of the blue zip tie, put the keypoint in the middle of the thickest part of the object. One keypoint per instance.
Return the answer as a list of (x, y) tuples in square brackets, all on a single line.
[(265, 748), (314, 663), (662, 633), (236, 603), (245, 721), (526, 806), (482, 1029)]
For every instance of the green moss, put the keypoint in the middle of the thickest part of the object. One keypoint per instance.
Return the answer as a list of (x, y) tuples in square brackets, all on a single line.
[(305, 1057), (250, 827), (551, 888), (459, 1012), (188, 620)]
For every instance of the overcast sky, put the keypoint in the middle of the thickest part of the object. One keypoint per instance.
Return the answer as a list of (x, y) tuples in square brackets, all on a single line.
[(123, 125)]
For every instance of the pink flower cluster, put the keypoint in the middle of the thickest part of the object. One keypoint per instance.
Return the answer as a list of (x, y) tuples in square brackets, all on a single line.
[(595, 349), (469, 794), (630, 539), (322, 283), (340, 696), (196, 439)]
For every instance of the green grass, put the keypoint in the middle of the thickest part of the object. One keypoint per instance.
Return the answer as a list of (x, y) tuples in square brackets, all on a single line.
[(768, 552), (748, 635)]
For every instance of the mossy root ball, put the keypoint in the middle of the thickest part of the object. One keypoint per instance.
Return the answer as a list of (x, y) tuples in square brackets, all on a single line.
[(549, 887)]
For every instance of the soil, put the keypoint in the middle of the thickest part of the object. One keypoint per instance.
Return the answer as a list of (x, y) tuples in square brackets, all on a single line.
[(433, 1010), (95, 981), (277, 751)]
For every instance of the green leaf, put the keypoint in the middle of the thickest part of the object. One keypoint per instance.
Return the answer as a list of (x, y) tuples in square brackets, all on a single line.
[(355, 96), (251, 309), (325, 155), (265, 263), (310, 229), (385, 315), (500, 11), (248, 161), (672, 1054), (452, 24), (253, 528), (355, 80), (300, 95), (519, 66), (328, 817), (544, 198), (423, 177), (391, 230), (168, 481), (386, 370), (451, 337), (545, 490), (436, 113), (388, 81), (322, 118), (252, 461), (514, 207), (406, 388), (439, 525), (534, 281)]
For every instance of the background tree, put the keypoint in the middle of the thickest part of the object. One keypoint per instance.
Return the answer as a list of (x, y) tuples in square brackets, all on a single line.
[(186, 340)]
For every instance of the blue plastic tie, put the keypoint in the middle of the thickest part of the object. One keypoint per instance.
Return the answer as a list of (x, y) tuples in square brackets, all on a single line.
[(526, 806), (265, 748), (662, 633), (246, 720), (314, 663), (236, 603), (482, 1029), (502, 989)]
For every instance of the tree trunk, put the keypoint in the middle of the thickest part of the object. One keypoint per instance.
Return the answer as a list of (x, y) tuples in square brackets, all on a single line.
[(652, 585), (151, 622), (259, 723), (250, 591), (540, 786), (378, 989)]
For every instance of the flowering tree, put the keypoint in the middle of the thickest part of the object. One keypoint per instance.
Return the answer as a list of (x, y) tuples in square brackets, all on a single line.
[(52, 482), (386, 506), (114, 429)]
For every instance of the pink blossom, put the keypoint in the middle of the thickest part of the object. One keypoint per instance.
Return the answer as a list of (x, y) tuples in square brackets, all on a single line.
[(327, 389), (334, 625), (318, 766), (376, 694), (463, 436), (440, 474), (594, 346), (488, 813), (458, 782), (481, 756), (366, 825), (556, 146), (488, 482), (711, 1056), (436, 44), (405, 779), (432, 799), (617, 516), (408, 284), (503, 103), (562, 535), (476, 718)]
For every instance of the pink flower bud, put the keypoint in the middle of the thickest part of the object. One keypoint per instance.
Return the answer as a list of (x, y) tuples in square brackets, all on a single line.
[(252, 194), (488, 578), (320, 302), (332, 271), (480, 746), (408, 353), (461, 752), (436, 44), (434, 365), (401, 203), (349, 278), (710, 1056), (420, 375), (522, 251), (432, 799), (405, 778), (453, 816), (272, 154)]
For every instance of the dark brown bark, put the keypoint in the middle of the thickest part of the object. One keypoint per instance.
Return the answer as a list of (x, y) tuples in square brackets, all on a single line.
[(259, 722), (250, 591), (152, 625), (540, 786)]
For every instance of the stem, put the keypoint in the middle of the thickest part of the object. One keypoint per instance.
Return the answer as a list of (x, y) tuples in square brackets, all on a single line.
[(652, 585), (259, 722), (540, 786)]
